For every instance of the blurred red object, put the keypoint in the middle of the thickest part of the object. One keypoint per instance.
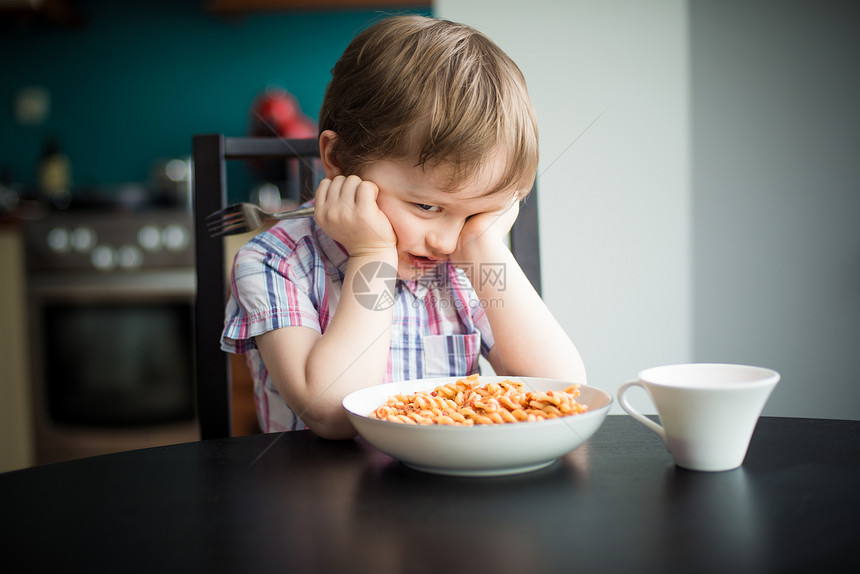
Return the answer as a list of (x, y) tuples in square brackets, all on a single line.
[(277, 113)]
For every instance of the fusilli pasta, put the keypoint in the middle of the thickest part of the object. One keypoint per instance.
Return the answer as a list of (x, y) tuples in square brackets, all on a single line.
[(464, 402)]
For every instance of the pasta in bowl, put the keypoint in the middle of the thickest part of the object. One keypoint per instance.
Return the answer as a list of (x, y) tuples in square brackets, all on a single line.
[(562, 418)]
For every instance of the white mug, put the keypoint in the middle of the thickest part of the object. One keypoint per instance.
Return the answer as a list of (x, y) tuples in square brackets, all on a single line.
[(707, 411)]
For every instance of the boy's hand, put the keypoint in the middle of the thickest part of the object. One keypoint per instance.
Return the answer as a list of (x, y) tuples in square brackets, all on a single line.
[(346, 209), (484, 233)]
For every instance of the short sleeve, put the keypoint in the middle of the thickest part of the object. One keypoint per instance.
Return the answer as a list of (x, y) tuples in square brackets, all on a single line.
[(275, 282)]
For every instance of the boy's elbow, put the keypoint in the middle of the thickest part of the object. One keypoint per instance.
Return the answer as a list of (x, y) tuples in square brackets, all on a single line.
[(332, 427)]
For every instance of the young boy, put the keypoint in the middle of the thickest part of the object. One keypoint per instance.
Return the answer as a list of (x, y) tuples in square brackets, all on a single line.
[(428, 141)]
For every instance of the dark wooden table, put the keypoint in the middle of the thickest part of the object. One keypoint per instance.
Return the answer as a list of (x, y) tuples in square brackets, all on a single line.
[(295, 503)]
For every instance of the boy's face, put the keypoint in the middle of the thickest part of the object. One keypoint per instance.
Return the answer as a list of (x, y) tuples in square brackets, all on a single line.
[(426, 217)]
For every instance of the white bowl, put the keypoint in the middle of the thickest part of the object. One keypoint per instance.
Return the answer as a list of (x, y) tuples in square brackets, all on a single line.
[(479, 450)]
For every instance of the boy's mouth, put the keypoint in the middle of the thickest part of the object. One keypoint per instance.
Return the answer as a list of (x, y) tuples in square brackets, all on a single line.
[(422, 261)]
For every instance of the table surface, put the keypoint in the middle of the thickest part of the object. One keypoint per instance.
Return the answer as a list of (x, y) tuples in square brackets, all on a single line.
[(294, 502)]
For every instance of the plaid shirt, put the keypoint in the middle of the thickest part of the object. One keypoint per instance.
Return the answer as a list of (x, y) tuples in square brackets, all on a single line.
[(293, 274)]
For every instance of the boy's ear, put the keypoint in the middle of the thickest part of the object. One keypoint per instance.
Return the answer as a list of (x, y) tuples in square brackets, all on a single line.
[(329, 161)]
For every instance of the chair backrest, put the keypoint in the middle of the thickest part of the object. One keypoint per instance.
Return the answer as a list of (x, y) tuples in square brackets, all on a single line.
[(211, 153)]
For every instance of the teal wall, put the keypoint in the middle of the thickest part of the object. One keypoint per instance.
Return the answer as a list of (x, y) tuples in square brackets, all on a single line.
[(139, 79)]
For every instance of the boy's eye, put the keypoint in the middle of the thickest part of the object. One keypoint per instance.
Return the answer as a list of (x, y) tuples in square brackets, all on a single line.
[(425, 207)]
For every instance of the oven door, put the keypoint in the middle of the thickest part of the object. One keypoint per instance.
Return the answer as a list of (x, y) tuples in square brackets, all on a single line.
[(112, 353)]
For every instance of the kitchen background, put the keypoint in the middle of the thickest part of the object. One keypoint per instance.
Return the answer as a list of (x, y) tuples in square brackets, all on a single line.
[(120, 89), (131, 82), (699, 177)]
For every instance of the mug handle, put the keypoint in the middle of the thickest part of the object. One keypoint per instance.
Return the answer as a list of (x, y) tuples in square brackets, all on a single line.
[(622, 400)]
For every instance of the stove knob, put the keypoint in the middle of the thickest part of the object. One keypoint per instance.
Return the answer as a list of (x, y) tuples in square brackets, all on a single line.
[(58, 240), (83, 238), (129, 257), (103, 258), (149, 238), (175, 237)]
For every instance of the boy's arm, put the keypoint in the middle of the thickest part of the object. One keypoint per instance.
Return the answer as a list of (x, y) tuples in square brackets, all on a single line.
[(528, 340), (313, 372)]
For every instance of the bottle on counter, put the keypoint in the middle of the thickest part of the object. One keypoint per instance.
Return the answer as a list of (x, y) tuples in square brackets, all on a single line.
[(55, 174)]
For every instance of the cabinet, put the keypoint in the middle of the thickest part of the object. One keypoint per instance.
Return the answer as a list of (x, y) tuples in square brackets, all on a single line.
[(16, 434)]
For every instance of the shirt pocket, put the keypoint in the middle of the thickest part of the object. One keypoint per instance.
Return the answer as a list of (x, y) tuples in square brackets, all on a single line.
[(451, 355)]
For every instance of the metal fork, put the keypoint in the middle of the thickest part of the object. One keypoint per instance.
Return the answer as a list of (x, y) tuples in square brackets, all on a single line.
[(244, 217)]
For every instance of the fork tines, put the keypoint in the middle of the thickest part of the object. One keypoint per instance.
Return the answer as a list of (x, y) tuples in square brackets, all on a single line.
[(228, 221)]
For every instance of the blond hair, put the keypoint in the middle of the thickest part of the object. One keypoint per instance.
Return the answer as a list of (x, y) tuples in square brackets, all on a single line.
[(411, 86)]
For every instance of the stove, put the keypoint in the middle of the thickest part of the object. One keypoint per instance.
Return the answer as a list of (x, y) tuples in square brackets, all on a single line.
[(110, 297), (110, 241)]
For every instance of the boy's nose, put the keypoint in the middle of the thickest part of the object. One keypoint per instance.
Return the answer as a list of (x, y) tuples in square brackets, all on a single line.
[(443, 238)]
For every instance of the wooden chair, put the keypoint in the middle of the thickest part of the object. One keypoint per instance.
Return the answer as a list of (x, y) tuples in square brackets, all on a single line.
[(211, 153)]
